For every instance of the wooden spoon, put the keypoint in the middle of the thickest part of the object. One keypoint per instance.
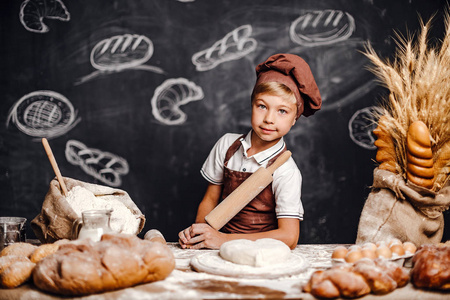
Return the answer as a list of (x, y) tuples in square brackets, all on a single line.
[(52, 159)]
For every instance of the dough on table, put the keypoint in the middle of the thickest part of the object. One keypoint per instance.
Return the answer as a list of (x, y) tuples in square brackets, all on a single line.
[(259, 253)]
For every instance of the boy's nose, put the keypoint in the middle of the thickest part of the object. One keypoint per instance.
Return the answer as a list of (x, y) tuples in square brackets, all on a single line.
[(269, 117)]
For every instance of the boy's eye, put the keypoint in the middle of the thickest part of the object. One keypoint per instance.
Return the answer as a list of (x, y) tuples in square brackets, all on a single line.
[(262, 106), (282, 111)]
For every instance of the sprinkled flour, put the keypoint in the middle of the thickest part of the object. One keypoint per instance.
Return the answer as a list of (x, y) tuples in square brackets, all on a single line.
[(122, 219)]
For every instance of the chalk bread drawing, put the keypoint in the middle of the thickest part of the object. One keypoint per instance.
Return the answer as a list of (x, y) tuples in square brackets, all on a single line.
[(104, 166), (322, 27), (43, 114), (361, 126), (235, 45), (121, 52), (172, 94), (33, 12)]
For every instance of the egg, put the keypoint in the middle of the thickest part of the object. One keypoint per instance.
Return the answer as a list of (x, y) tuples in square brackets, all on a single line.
[(353, 256), (339, 252), (383, 251), (394, 241), (368, 253), (354, 247), (370, 246), (380, 243), (409, 247), (398, 249)]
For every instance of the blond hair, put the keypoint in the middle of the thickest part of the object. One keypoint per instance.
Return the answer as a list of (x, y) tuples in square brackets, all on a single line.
[(276, 89)]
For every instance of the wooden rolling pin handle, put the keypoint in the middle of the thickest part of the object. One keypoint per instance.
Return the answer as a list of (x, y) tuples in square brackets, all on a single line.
[(52, 159), (154, 235), (279, 161), (243, 194)]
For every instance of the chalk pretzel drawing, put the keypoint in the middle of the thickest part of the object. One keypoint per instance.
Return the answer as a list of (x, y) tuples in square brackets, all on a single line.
[(33, 12), (101, 165), (233, 46), (322, 27), (172, 94), (361, 126), (43, 114)]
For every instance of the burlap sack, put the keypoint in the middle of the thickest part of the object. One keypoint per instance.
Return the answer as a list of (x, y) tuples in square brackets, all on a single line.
[(57, 218), (399, 209)]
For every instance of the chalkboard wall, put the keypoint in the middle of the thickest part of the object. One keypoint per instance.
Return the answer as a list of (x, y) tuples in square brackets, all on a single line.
[(133, 94)]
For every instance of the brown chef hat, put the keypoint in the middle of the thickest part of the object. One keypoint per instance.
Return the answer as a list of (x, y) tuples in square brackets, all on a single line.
[(294, 72)]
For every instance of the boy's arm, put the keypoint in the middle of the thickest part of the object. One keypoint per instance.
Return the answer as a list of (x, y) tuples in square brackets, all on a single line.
[(204, 236), (209, 202)]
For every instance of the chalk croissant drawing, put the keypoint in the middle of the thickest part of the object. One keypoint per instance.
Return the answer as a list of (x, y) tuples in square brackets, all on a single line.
[(33, 12), (104, 166), (43, 114), (172, 94), (361, 126), (233, 46), (121, 52), (322, 27)]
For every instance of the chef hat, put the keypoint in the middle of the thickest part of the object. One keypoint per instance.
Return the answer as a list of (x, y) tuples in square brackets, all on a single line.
[(294, 72)]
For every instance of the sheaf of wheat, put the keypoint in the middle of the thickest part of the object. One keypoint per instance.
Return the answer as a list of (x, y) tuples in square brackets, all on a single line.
[(418, 80)]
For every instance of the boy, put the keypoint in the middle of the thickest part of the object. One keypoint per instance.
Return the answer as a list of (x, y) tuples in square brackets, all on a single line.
[(285, 89)]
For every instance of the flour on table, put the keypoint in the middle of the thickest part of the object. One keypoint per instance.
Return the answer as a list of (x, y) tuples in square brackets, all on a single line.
[(259, 253), (122, 219)]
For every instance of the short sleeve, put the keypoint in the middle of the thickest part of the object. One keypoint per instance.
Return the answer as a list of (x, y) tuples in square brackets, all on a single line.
[(286, 186), (212, 169)]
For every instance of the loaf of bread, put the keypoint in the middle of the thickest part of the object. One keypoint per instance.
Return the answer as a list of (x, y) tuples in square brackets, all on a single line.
[(431, 268), (419, 155), (17, 262), (117, 261), (378, 276), (386, 149)]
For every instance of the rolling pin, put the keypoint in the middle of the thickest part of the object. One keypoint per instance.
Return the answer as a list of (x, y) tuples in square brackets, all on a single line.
[(244, 193)]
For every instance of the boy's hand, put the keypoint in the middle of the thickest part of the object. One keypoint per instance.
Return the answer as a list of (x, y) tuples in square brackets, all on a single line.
[(201, 235)]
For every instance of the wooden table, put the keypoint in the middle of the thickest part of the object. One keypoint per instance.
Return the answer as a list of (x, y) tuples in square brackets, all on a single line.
[(185, 283)]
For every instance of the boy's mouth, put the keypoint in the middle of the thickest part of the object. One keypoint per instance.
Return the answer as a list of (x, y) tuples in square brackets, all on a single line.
[(267, 130)]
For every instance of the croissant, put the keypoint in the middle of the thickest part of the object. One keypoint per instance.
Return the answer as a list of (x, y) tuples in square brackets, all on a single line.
[(419, 167)]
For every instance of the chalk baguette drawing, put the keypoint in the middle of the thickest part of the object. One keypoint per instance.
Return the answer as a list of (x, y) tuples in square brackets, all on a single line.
[(121, 52), (43, 114), (33, 12), (235, 45), (322, 27), (361, 126), (172, 94), (104, 166)]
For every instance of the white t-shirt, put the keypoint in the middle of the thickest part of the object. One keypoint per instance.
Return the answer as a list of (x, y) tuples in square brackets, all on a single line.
[(287, 179)]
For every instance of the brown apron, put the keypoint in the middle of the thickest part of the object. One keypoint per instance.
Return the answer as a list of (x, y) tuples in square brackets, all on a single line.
[(259, 215)]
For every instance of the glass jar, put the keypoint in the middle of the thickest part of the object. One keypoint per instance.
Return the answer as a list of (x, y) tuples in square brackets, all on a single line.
[(94, 224)]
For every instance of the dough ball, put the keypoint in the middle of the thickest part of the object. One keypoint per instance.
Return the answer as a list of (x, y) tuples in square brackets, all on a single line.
[(259, 253)]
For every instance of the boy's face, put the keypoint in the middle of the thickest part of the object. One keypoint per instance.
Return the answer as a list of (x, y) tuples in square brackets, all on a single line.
[(272, 117)]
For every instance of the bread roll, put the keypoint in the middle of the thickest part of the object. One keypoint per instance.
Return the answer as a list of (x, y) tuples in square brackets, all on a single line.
[(431, 268), (6, 261), (16, 274), (20, 249), (43, 251), (117, 261)]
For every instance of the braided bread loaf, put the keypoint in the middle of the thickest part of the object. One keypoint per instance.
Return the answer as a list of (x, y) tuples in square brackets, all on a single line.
[(378, 276)]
